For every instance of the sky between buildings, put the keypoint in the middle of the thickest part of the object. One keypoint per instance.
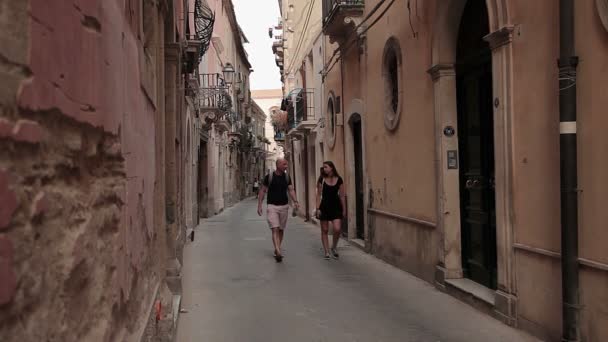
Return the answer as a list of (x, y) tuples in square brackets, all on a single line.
[(255, 17)]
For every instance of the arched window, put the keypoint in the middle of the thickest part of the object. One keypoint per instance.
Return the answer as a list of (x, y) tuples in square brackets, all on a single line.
[(331, 117), (393, 89)]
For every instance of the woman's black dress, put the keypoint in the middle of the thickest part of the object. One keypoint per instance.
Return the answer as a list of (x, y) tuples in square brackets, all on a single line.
[(331, 206)]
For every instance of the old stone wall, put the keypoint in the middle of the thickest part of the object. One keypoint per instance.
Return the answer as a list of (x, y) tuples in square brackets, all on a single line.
[(81, 255)]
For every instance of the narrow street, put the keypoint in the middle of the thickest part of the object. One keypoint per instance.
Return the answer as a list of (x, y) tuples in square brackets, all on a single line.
[(234, 291)]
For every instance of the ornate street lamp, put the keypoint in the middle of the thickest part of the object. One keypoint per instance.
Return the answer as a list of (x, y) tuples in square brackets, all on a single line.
[(228, 72)]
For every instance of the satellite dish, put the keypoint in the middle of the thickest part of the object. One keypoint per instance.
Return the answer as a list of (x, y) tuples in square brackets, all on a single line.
[(602, 11)]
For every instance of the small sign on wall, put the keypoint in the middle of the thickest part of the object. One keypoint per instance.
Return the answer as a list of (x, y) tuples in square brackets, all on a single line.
[(452, 159)]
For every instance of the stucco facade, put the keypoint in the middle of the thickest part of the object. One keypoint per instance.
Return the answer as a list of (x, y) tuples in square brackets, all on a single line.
[(399, 123), (300, 49), (221, 139), (269, 100)]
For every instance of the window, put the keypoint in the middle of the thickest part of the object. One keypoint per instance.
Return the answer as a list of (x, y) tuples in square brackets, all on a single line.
[(331, 117), (393, 89)]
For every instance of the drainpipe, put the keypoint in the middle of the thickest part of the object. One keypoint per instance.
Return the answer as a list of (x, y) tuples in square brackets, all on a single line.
[(568, 62)]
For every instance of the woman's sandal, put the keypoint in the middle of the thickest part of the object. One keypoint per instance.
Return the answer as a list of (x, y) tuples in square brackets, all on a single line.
[(278, 257)]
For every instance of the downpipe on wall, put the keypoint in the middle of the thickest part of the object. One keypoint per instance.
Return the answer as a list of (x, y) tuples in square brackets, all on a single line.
[(567, 63)]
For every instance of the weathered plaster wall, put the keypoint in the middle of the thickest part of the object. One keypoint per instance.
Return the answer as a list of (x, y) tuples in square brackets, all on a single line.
[(401, 179), (401, 186), (592, 90), (79, 246)]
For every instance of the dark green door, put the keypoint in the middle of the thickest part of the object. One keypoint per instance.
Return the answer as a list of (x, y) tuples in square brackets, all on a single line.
[(476, 146)]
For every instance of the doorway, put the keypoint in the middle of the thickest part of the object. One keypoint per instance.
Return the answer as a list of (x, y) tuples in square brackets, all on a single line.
[(359, 190), (476, 146)]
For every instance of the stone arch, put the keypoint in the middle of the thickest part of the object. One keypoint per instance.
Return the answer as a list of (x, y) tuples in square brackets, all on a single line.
[(355, 107), (445, 32)]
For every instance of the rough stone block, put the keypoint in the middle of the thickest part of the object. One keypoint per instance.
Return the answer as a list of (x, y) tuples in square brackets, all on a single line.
[(28, 131), (73, 141), (112, 149), (10, 85), (40, 205), (8, 198), (14, 30), (6, 128), (8, 285)]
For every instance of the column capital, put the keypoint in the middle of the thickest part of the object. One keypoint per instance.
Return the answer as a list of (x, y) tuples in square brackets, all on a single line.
[(500, 37), (438, 71)]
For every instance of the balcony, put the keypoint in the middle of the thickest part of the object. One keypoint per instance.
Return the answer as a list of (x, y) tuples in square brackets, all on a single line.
[(214, 101), (198, 41), (340, 17), (279, 137), (279, 61), (277, 47), (301, 110)]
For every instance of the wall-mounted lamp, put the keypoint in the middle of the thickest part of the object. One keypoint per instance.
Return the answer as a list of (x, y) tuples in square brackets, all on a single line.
[(228, 72)]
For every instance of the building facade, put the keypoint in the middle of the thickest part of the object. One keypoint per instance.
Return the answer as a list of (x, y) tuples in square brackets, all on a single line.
[(445, 117), (109, 151), (299, 48), (269, 100)]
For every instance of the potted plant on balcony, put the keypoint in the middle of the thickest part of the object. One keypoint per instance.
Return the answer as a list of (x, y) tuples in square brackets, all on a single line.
[(279, 120)]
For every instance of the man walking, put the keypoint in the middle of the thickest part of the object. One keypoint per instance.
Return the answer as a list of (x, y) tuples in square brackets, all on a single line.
[(278, 185), (256, 186)]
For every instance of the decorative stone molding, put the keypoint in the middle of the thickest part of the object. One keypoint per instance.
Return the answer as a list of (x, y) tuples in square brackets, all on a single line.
[(441, 70), (392, 49), (500, 37), (172, 52), (355, 21)]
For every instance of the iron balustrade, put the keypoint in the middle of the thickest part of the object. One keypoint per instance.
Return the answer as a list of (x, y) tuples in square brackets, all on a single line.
[(204, 18), (213, 93), (301, 107)]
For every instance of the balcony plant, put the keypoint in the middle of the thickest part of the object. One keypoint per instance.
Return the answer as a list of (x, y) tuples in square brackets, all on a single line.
[(279, 120)]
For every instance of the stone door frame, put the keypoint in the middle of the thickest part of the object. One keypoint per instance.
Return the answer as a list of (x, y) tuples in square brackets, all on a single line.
[(442, 71), (355, 108)]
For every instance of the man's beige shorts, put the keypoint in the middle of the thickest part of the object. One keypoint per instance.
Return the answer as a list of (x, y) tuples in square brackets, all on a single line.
[(277, 216)]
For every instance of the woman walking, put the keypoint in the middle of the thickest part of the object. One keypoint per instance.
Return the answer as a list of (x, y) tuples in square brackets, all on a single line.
[(330, 206)]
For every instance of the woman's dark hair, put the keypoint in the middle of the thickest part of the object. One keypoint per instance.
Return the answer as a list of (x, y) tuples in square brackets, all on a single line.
[(321, 175), (333, 167)]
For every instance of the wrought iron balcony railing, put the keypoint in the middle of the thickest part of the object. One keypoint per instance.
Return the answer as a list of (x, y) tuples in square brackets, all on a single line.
[(198, 34), (301, 108), (204, 19), (213, 93)]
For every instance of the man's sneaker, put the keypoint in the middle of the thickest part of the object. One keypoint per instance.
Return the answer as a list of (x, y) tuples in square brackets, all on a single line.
[(334, 253)]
